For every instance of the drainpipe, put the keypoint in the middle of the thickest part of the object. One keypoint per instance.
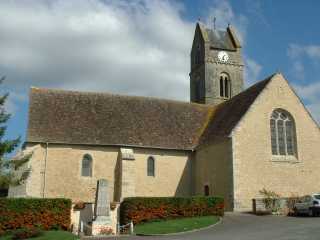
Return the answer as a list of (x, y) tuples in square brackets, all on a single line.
[(44, 170)]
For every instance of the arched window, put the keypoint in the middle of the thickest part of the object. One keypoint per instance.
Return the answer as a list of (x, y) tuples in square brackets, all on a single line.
[(86, 170), (151, 166), (225, 90), (283, 133)]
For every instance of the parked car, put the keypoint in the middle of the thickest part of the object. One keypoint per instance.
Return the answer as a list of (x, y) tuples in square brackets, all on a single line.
[(309, 205)]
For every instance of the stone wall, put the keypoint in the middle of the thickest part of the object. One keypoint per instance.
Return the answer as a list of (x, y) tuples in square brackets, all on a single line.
[(63, 172), (256, 168), (33, 185), (172, 173), (213, 167)]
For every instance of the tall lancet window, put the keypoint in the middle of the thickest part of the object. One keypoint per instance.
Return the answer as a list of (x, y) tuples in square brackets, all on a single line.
[(225, 89), (151, 166), (283, 133), (86, 170)]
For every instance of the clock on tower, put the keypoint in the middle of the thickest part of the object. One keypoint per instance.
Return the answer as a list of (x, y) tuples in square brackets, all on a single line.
[(216, 65)]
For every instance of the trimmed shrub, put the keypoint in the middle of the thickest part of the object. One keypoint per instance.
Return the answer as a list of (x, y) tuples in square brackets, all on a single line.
[(24, 233), (145, 209), (45, 214)]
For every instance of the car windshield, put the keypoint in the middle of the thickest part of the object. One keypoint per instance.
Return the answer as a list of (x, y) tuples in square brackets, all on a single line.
[(317, 196)]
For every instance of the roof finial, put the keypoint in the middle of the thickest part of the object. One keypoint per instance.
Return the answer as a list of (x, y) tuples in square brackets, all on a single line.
[(199, 19), (228, 24), (214, 23)]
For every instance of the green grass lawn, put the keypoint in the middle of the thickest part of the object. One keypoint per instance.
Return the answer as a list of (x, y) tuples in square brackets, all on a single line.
[(175, 225), (50, 235)]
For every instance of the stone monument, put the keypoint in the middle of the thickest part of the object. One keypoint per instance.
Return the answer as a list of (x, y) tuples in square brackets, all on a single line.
[(102, 224)]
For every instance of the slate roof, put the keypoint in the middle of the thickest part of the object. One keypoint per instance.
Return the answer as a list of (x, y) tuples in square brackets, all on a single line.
[(58, 116), (220, 39)]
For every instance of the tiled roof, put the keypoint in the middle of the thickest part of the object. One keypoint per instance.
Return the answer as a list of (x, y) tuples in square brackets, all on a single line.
[(227, 114), (58, 116)]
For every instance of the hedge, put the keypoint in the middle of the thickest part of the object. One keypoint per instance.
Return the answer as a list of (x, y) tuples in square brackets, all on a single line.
[(46, 214), (144, 209)]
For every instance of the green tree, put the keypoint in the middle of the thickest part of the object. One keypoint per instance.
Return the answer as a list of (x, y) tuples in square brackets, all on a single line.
[(7, 146)]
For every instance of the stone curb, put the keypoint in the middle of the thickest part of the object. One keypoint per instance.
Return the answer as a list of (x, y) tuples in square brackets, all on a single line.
[(102, 237), (181, 233)]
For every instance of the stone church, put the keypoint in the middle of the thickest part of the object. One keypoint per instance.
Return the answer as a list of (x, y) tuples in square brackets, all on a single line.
[(226, 141)]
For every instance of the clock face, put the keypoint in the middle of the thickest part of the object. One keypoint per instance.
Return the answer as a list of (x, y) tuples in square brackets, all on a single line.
[(223, 56)]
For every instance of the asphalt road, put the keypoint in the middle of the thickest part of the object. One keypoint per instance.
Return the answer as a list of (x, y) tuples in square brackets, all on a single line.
[(239, 226)]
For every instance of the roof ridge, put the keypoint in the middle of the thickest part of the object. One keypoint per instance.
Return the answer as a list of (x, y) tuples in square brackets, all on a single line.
[(117, 95)]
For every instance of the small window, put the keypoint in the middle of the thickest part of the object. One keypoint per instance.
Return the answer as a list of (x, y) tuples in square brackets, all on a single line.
[(225, 89), (206, 190), (86, 170), (151, 166)]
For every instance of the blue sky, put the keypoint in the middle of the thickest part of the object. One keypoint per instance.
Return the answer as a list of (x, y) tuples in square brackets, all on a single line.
[(142, 47)]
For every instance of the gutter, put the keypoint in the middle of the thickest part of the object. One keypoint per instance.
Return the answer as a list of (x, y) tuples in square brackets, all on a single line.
[(114, 145), (44, 170)]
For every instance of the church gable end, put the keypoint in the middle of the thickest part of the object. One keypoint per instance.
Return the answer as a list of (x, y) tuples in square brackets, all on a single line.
[(284, 148), (281, 96)]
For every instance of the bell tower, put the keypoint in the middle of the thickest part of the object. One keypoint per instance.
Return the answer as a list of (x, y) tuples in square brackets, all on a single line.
[(216, 65)]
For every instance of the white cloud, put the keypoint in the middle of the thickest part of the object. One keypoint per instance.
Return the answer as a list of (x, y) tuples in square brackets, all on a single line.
[(298, 69), (12, 102), (251, 71), (136, 47), (311, 94), (296, 51), (313, 51), (256, 9), (224, 14), (315, 110), (127, 47)]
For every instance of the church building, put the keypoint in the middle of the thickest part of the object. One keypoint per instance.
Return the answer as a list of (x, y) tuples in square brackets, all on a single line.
[(227, 141)]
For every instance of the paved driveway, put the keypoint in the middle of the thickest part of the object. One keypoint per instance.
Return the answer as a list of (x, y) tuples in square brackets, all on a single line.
[(240, 226)]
